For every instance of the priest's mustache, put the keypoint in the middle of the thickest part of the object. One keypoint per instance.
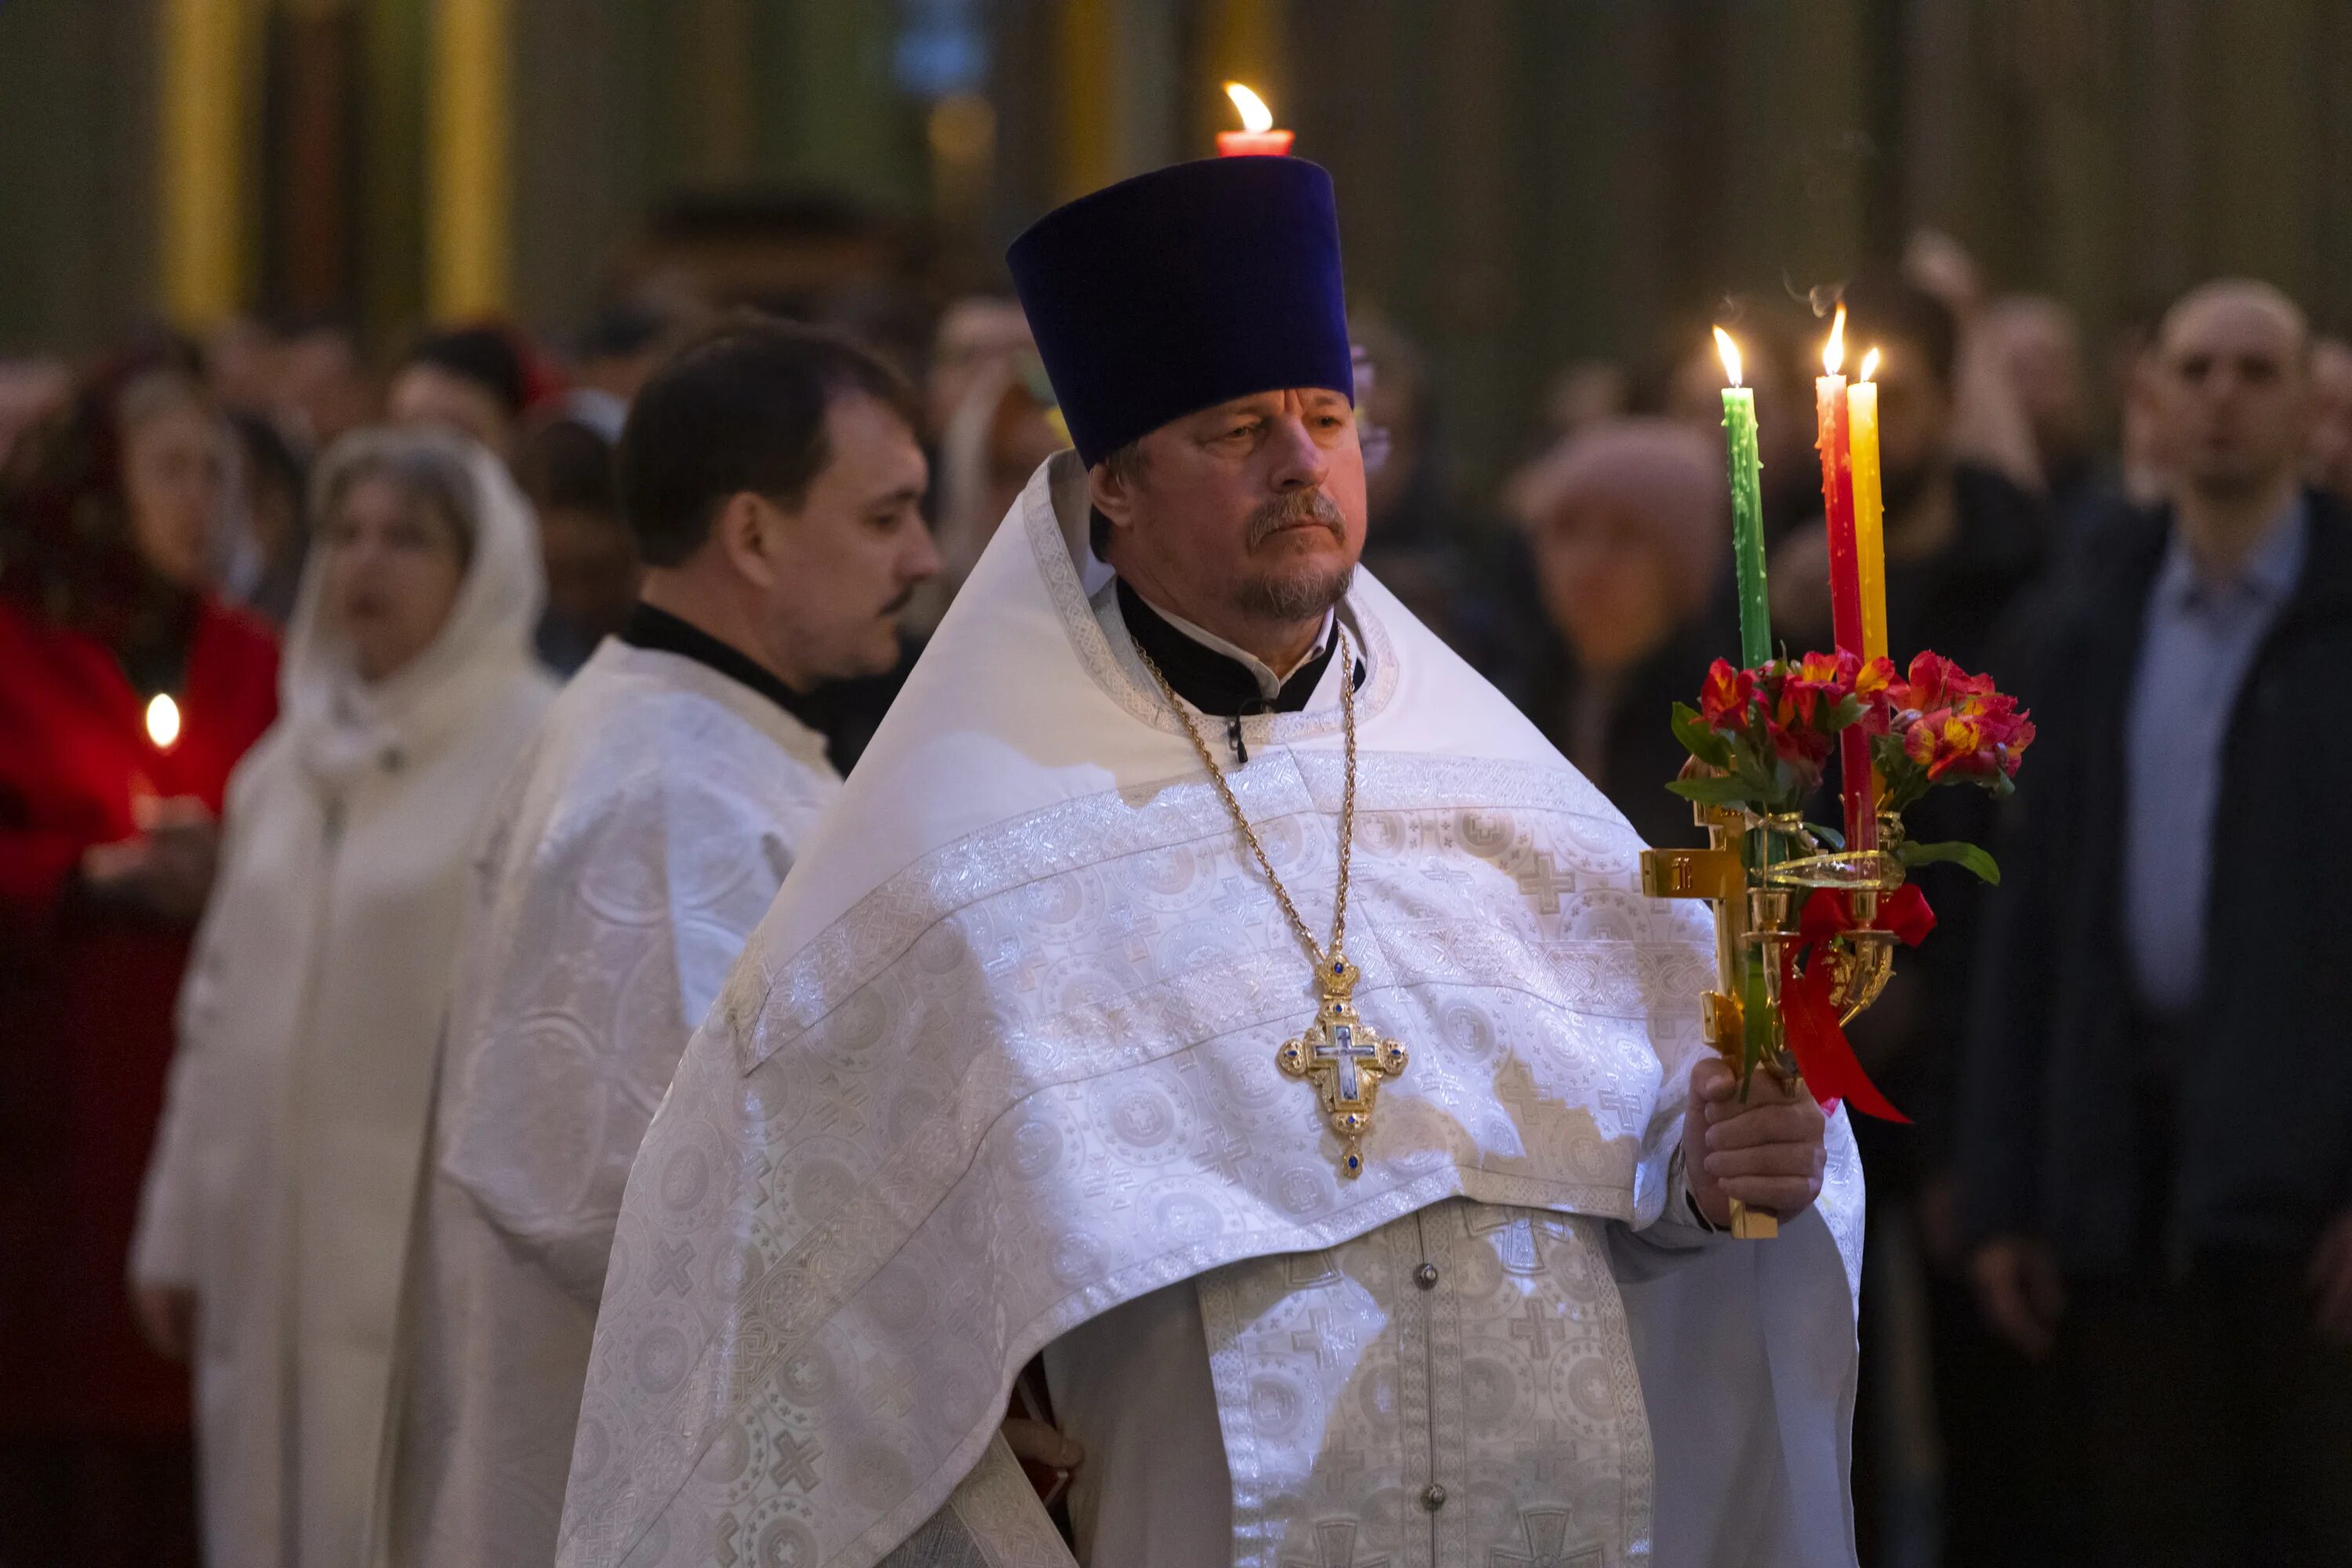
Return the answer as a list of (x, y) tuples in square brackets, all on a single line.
[(1291, 510)]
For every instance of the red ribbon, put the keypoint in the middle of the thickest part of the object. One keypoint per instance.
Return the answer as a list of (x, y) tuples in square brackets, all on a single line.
[(1815, 1036)]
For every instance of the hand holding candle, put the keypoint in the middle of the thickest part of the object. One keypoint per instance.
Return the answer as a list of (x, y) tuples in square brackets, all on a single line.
[(1257, 137)]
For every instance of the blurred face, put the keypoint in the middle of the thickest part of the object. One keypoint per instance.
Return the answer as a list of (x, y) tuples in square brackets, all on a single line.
[(1606, 584), (240, 360), (2234, 386), (428, 395), (172, 478), (1392, 404), (322, 388), (2042, 354), (1247, 518), (393, 568), (1018, 443), (2331, 432), (973, 334), (840, 568)]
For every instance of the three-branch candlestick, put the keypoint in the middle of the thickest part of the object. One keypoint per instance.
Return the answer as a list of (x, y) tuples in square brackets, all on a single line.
[(1752, 873)]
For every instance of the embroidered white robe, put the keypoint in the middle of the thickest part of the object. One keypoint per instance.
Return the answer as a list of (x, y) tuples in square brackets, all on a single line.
[(997, 1075), (644, 836)]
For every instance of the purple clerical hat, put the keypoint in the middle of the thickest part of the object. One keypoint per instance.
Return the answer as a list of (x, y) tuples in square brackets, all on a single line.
[(1182, 289)]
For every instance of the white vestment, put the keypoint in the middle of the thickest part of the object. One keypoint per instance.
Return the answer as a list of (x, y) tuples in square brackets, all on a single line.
[(998, 1074), (285, 1169), (644, 836)]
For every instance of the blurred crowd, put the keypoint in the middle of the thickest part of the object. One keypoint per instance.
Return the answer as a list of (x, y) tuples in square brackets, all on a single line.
[(2110, 1268)]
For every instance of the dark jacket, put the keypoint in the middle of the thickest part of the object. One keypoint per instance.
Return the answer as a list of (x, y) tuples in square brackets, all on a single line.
[(2078, 1125)]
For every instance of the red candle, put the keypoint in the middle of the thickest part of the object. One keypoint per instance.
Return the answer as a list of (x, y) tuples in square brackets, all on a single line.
[(1257, 138), (1845, 574)]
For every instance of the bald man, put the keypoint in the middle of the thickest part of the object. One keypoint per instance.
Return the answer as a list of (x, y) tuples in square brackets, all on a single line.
[(2158, 1139)]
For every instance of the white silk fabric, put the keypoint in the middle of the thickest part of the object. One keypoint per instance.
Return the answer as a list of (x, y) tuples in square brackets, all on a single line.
[(641, 839), (1003, 1057)]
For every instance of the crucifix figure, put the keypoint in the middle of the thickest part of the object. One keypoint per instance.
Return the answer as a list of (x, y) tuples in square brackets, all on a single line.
[(1343, 1048), (1345, 1060)]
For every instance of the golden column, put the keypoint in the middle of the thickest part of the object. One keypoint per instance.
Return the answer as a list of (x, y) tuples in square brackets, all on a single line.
[(1086, 53), (206, 67), (469, 135)]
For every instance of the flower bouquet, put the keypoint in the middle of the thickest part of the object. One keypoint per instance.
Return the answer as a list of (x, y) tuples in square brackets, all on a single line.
[(1760, 740)]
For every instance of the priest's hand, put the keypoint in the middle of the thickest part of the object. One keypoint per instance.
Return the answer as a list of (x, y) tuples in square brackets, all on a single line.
[(2331, 1281), (1768, 1152), (2020, 1293), (167, 1318), (1046, 1457)]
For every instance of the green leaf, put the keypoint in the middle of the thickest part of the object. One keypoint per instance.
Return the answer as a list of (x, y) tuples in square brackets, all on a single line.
[(1955, 852), (1722, 789), (1826, 834), (1847, 711), (1699, 740)]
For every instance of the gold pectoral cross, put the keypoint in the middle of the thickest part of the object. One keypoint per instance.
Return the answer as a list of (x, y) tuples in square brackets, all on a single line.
[(1345, 1061)]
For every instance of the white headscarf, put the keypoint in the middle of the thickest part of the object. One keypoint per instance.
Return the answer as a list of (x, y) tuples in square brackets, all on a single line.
[(340, 722)]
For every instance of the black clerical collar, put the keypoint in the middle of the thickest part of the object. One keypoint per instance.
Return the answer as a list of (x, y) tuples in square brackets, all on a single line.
[(662, 632), (1214, 682)]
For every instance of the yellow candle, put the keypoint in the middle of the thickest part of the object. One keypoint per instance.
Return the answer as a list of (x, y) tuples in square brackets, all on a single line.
[(1869, 509)]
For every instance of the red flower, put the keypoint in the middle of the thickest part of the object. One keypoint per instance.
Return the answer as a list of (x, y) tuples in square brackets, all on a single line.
[(1984, 738), (1800, 744), (1875, 683), (1935, 682), (1818, 682), (1943, 742), (1723, 701)]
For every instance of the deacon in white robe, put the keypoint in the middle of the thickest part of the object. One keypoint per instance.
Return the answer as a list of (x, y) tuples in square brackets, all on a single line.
[(286, 1165), (1003, 1071), (774, 486)]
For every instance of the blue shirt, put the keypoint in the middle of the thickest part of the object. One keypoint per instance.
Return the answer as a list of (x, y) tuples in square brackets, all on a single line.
[(2200, 640)]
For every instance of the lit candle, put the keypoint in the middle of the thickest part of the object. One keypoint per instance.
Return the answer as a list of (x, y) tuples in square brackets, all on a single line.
[(1869, 509), (1257, 137), (1845, 576), (1746, 507), (164, 721)]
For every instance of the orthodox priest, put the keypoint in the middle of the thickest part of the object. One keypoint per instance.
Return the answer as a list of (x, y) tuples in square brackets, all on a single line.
[(1209, 982)]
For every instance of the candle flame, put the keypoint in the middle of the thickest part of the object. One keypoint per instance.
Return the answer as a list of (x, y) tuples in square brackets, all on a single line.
[(163, 722), (1869, 365), (1730, 352), (1834, 352), (1256, 118)]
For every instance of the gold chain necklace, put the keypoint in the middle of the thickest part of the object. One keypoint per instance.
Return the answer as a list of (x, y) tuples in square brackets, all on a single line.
[(1345, 1061)]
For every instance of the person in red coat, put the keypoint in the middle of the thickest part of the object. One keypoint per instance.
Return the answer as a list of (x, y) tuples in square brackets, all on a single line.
[(110, 515)]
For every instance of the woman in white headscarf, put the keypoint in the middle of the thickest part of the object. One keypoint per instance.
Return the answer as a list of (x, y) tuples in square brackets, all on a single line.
[(278, 1200)]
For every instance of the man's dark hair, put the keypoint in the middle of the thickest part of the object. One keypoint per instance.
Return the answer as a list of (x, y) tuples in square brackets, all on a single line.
[(741, 410), (483, 355), (1885, 308)]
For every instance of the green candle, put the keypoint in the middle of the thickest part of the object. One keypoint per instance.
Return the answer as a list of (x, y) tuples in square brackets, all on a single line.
[(1747, 508)]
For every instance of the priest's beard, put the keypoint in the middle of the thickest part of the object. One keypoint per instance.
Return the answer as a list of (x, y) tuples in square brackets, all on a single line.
[(1286, 598)]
